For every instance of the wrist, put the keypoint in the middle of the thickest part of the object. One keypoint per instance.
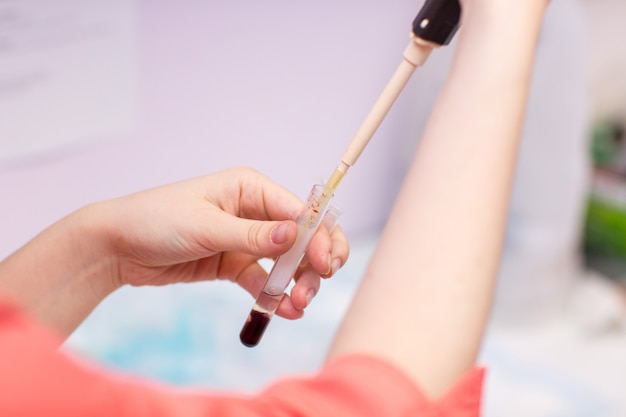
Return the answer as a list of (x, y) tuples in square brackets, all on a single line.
[(502, 13), (62, 274), (91, 234), (497, 42)]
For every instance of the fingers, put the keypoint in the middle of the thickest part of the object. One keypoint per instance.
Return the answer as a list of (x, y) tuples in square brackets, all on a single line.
[(328, 252), (250, 194), (287, 310), (256, 216), (244, 270), (306, 287), (340, 250), (253, 277), (255, 237)]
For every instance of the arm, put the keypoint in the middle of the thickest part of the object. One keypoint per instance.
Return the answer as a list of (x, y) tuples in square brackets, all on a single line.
[(425, 298), (213, 227)]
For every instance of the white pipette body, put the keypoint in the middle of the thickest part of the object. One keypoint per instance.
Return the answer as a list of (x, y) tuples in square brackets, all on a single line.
[(415, 54)]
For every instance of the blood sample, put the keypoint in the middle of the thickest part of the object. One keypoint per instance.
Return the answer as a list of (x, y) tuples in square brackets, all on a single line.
[(254, 328)]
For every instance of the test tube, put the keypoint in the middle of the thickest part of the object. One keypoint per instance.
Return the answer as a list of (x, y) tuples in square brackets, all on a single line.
[(316, 210)]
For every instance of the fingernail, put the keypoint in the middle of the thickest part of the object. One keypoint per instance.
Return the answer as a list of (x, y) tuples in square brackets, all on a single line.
[(309, 296), (329, 271), (279, 233), (336, 265)]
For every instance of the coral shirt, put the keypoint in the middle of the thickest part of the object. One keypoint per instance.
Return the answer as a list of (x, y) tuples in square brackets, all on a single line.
[(37, 379)]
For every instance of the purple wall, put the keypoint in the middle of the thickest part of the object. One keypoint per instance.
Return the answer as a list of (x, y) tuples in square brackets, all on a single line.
[(281, 86)]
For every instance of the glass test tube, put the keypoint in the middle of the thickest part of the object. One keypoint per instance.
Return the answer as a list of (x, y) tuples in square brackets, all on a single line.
[(316, 210)]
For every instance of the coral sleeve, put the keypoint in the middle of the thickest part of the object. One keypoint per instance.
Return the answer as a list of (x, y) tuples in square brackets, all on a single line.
[(360, 385), (36, 378)]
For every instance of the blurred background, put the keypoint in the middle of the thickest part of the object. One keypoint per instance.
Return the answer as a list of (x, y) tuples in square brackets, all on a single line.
[(99, 99)]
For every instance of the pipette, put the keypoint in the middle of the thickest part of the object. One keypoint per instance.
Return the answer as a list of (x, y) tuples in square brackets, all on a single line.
[(434, 26)]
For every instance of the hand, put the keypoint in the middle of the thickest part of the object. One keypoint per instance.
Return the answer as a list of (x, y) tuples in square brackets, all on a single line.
[(216, 227)]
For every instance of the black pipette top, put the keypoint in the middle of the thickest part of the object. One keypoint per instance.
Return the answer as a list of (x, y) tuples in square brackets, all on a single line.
[(437, 21)]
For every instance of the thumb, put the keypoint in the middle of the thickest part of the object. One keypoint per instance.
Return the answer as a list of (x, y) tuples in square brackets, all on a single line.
[(256, 237)]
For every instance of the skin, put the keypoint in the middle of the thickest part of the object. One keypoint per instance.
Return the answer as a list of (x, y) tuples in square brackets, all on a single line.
[(213, 227), (426, 295)]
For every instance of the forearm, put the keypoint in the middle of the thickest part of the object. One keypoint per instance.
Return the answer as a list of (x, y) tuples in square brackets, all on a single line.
[(426, 295), (61, 275)]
